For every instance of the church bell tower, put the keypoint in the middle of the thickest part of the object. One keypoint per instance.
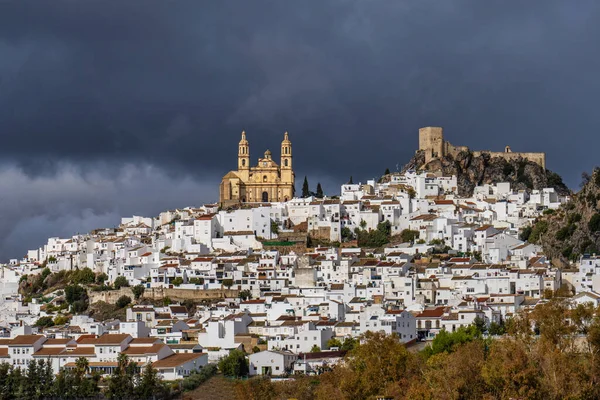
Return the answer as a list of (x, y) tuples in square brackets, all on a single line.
[(244, 157), (287, 174)]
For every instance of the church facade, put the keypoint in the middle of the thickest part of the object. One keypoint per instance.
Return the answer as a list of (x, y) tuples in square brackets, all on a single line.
[(265, 182)]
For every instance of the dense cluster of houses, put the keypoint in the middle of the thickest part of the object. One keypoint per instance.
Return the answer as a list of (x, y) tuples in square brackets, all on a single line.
[(465, 262)]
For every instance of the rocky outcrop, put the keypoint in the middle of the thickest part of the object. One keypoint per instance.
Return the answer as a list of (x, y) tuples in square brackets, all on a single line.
[(473, 171), (574, 229)]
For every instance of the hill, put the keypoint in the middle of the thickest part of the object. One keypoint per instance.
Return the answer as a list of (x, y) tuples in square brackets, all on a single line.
[(574, 229), (473, 171)]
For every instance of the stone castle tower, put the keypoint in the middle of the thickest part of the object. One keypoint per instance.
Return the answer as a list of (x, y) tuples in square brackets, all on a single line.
[(432, 143), (265, 182)]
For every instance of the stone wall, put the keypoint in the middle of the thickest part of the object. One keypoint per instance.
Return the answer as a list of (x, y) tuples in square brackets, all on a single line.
[(538, 158), (175, 294)]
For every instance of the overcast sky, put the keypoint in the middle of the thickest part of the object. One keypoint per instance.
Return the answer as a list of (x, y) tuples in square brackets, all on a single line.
[(115, 108)]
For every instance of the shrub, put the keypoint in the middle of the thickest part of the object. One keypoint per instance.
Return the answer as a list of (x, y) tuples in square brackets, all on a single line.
[(44, 322), (594, 223), (197, 378), (234, 365), (123, 301), (138, 291), (120, 282), (408, 235)]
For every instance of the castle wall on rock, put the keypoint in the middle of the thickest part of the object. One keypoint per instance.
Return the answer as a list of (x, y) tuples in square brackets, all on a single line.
[(432, 143)]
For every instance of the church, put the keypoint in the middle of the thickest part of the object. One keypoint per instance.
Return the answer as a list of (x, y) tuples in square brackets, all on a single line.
[(265, 182)]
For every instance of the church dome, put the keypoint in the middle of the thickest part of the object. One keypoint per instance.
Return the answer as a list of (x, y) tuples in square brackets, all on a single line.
[(268, 154)]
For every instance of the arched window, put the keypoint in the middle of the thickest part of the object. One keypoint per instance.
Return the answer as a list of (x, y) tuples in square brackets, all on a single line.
[(285, 162), (264, 178), (244, 162)]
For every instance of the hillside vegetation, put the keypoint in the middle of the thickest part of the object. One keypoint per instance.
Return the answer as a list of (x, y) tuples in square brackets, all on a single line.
[(574, 229)]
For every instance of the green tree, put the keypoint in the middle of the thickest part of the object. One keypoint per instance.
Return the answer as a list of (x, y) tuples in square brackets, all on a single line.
[(319, 193), (44, 322), (120, 282), (228, 283), (315, 349), (526, 233), (245, 294), (305, 188), (346, 233), (121, 384), (177, 281), (594, 224), (83, 276), (150, 386), (196, 281), (387, 171), (351, 181), (334, 342), (349, 344), (123, 301), (101, 278), (408, 235), (234, 365), (61, 320), (75, 293), (138, 291)]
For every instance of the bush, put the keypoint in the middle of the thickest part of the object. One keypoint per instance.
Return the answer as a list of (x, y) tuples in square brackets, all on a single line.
[(83, 276), (138, 291), (234, 365), (408, 235), (123, 301), (197, 378), (120, 282), (594, 223), (44, 322), (525, 233), (177, 281), (538, 230)]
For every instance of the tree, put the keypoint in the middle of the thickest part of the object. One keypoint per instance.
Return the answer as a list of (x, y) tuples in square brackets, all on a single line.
[(315, 349), (346, 233), (305, 188), (120, 282), (594, 223), (319, 193), (525, 233), (245, 294), (44, 322), (349, 344), (150, 385), (83, 276), (408, 235), (121, 384), (350, 182), (374, 364), (138, 291), (234, 365), (177, 281), (228, 283), (101, 278), (334, 342), (387, 171), (61, 320), (123, 301), (75, 293)]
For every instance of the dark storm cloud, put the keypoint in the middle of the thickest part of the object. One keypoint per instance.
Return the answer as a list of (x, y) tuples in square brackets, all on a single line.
[(170, 84)]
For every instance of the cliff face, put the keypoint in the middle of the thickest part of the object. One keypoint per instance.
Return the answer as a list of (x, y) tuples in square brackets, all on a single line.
[(574, 229), (473, 171)]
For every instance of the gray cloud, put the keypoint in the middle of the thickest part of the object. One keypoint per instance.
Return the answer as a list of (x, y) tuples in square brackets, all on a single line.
[(171, 84)]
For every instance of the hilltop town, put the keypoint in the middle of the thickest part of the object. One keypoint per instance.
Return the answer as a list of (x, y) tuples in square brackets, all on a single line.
[(293, 281)]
